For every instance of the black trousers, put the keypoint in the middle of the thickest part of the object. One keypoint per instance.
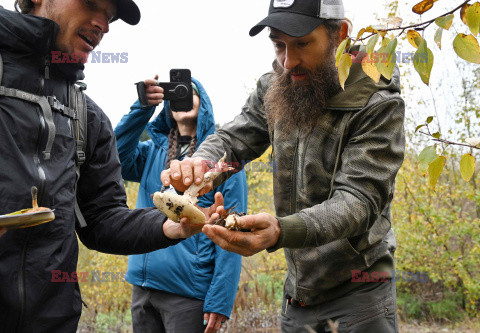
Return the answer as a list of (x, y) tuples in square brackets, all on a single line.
[(370, 308)]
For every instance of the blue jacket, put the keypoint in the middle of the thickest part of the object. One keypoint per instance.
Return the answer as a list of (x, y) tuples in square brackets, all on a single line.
[(195, 267)]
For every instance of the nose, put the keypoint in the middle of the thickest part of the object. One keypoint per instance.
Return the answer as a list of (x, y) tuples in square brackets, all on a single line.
[(291, 59), (100, 21)]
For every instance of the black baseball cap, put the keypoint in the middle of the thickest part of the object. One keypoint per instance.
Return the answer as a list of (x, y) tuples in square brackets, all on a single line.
[(298, 18), (127, 11)]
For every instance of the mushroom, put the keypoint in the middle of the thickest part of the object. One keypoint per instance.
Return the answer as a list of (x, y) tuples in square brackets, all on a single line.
[(177, 206)]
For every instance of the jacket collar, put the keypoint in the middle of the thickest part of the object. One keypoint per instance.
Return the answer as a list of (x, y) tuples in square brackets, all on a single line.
[(30, 34)]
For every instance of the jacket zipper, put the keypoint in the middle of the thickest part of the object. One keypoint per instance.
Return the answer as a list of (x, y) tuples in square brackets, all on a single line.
[(41, 189), (293, 206), (21, 282), (302, 158), (293, 198)]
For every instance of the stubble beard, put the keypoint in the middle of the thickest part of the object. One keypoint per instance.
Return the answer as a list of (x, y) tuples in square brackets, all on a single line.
[(293, 105)]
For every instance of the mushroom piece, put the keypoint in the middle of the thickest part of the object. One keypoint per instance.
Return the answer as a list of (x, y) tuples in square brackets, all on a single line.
[(177, 206)]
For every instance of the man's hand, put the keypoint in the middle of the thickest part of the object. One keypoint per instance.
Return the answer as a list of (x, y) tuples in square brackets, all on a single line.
[(154, 93), (264, 233), (2, 231), (185, 228), (182, 173), (214, 321)]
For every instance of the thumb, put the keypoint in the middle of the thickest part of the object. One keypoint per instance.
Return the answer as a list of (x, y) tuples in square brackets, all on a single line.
[(252, 222)]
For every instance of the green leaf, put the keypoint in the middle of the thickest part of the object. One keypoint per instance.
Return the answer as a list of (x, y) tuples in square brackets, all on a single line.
[(467, 48), (427, 156), (429, 119), (473, 18), (371, 45), (388, 58), (445, 22), (423, 62), (344, 65), (436, 135), (341, 48), (467, 166), (435, 169), (418, 127), (438, 37)]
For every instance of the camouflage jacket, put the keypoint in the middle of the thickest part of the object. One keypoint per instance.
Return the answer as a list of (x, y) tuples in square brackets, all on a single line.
[(332, 187)]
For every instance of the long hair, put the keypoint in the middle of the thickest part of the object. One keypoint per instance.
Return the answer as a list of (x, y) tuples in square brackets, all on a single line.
[(173, 142)]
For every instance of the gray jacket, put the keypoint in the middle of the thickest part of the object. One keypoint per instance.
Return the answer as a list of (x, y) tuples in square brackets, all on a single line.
[(332, 187)]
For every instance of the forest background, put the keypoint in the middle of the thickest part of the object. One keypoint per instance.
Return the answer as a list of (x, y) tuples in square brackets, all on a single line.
[(437, 227)]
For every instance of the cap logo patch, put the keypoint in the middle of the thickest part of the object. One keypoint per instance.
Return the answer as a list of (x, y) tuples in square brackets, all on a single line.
[(282, 3)]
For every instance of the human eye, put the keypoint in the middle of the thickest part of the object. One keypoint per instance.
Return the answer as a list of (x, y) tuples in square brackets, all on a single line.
[(89, 3), (278, 45)]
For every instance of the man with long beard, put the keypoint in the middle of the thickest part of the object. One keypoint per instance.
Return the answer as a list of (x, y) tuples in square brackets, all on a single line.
[(336, 154)]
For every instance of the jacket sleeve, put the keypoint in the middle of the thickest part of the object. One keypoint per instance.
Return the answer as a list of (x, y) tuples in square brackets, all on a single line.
[(364, 184), (223, 288), (243, 139), (111, 226), (132, 152)]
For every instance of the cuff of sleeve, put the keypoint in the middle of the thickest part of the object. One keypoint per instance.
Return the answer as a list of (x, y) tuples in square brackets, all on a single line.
[(293, 232), (169, 241)]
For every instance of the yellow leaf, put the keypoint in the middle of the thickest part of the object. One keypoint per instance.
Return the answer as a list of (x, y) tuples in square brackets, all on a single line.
[(360, 33), (445, 22), (423, 6), (438, 37), (435, 169), (370, 69), (414, 38), (344, 68), (463, 13), (467, 48), (467, 166), (341, 48), (473, 18)]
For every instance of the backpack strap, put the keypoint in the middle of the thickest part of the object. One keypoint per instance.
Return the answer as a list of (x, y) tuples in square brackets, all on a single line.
[(77, 112), (44, 104), (79, 130)]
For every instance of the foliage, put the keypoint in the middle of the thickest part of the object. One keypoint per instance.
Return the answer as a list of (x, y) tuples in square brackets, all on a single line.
[(381, 62)]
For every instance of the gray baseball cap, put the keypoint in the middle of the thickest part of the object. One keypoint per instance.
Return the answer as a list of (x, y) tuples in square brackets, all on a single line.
[(127, 11), (298, 18)]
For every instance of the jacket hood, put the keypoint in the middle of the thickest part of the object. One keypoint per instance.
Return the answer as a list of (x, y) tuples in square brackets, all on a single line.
[(359, 87), (35, 36), (159, 128)]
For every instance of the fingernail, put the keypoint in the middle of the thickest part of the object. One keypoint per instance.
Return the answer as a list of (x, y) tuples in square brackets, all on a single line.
[(198, 180), (176, 175), (187, 180), (204, 322)]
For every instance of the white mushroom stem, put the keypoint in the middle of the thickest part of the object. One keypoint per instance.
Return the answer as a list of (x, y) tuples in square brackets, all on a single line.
[(194, 189)]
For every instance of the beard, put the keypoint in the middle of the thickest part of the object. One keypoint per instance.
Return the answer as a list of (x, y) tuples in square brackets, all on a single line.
[(291, 105)]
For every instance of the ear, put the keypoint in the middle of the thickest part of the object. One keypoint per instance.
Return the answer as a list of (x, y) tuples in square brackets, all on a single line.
[(345, 29)]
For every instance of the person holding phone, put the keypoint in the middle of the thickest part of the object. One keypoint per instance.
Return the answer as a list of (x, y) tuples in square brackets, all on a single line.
[(191, 286)]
